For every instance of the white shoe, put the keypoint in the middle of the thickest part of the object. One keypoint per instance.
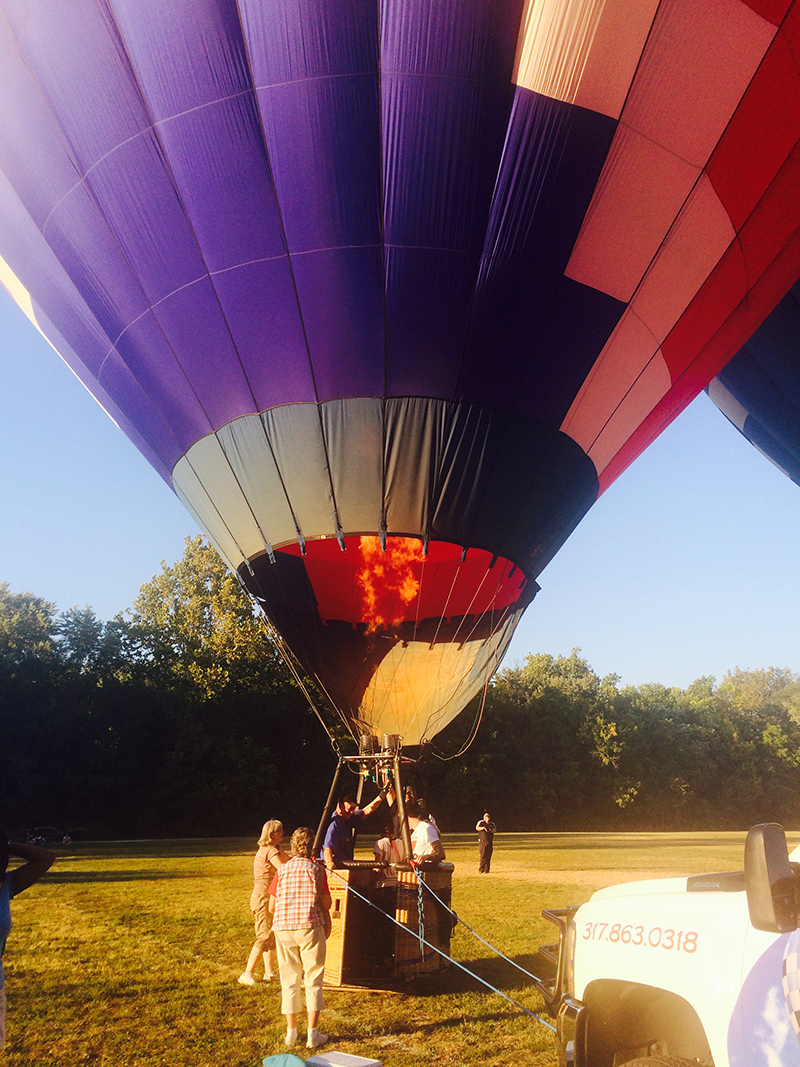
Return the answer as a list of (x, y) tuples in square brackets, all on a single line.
[(245, 978), (291, 1038), (315, 1039)]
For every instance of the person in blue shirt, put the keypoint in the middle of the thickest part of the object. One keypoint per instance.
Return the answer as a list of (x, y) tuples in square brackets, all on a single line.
[(340, 837), (38, 860)]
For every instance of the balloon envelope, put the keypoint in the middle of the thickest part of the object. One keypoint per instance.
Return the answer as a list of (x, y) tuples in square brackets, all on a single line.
[(759, 390), (390, 292)]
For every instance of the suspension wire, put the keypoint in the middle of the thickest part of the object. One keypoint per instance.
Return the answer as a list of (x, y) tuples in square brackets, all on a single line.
[(473, 733), (504, 612), (478, 719), (496, 951), (288, 659), (461, 967)]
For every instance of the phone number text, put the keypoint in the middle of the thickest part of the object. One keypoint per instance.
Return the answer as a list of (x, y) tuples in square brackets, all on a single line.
[(647, 937)]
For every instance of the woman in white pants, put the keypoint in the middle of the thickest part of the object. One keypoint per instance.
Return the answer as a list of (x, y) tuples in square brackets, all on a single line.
[(301, 904)]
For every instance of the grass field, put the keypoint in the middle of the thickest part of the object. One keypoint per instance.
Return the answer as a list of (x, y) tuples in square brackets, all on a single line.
[(127, 954)]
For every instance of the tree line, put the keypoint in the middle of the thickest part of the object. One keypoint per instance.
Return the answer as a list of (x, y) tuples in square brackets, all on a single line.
[(179, 718)]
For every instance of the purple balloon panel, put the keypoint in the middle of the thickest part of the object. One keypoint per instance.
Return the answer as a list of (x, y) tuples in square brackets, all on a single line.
[(79, 238), (292, 40), (152, 424), (573, 330), (219, 165), (428, 293), (457, 38), (198, 334), (323, 141), (60, 43), (164, 40), (147, 355), (33, 263), (136, 195), (553, 157), (446, 94), (32, 153), (341, 300), (259, 302)]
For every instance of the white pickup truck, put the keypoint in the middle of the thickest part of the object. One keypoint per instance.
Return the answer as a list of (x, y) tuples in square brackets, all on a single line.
[(678, 971)]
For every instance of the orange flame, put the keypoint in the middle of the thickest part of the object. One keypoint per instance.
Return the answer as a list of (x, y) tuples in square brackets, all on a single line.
[(387, 580)]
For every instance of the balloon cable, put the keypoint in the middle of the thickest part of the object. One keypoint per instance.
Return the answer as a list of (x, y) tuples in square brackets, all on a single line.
[(458, 918), (288, 659), (450, 959), (476, 724)]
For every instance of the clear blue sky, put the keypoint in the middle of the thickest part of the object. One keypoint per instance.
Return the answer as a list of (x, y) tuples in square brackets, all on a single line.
[(689, 565)]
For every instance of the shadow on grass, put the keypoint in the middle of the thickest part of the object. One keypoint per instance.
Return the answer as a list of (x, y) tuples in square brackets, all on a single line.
[(89, 877), (456, 1021), (645, 841), (498, 973), (168, 848)]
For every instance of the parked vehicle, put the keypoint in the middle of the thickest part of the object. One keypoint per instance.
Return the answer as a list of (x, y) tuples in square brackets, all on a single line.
[(673, 971)]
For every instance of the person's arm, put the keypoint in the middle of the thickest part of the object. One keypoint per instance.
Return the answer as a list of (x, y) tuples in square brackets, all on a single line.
[(38, 860), (480, 825), (273, 892), (376, 803), (327, 856), (432, 850)]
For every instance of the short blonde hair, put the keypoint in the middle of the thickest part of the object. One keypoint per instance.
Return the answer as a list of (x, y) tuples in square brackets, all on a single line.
[(269, 831), (302, 842)]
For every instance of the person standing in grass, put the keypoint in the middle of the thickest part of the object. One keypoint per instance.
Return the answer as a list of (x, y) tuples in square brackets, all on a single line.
[(486, 831), (38, 860), (301, 905), (265, 863)]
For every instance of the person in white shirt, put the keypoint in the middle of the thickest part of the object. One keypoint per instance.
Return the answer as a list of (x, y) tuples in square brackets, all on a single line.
[(425, 843), (388, 849)]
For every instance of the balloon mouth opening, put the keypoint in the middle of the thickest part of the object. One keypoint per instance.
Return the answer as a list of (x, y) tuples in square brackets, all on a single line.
[(399, 635), (389, 587)]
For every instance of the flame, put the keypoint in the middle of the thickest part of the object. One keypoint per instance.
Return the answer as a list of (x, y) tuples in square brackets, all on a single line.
[(388, 580)]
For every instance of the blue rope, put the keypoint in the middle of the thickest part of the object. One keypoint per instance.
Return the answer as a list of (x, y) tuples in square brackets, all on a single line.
[(477, 977), (421, 916), (496, 951)]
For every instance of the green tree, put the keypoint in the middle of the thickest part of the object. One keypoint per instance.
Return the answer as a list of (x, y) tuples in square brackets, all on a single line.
[(27, 629), (533, 763), (198, 624), (242, 731)]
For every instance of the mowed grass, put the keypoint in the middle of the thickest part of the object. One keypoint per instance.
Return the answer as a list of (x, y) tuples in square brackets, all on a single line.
[(127, 954)]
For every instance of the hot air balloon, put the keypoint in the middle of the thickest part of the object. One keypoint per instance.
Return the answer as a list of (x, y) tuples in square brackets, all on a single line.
[(389, 292), (759, 390)]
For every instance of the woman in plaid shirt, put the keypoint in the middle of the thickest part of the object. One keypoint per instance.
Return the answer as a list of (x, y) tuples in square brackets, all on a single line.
[(300, 902)]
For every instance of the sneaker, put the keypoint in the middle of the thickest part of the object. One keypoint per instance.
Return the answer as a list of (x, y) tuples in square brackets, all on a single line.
[(315, 1039), (291, 1038), (268, 977), (246, 979)]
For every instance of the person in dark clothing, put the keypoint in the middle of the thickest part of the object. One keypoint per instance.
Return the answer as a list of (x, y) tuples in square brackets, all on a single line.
[(486, 830), (340, 837), (12, 883)]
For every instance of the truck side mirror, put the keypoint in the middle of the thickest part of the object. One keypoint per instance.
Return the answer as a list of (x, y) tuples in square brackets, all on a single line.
[(769, 880)]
